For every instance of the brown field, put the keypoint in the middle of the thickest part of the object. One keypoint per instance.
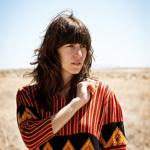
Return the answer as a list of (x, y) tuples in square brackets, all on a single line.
[(131, 86)]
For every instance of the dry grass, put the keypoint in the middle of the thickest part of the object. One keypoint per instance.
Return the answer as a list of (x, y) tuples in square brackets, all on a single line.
[(132, 87)]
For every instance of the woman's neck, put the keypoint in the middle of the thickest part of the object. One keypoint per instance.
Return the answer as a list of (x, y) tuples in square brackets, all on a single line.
[(66, 86), (66, 79), (63, 92)]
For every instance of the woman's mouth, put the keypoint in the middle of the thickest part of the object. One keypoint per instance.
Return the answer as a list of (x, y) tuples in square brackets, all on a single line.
[(76, 63)]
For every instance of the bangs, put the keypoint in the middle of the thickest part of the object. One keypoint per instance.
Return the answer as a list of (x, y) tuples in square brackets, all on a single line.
[(78, 37), (72, 31)]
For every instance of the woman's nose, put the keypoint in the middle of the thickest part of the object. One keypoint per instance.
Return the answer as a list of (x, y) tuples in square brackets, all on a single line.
[(78, 52)]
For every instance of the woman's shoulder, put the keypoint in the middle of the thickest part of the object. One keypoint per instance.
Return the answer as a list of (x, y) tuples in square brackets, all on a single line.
[(27, 88), (99, 85), (101, 88), (26, 94)]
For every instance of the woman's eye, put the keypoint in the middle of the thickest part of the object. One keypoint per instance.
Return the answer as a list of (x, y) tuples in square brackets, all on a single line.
[(83, 46), (70, 45)]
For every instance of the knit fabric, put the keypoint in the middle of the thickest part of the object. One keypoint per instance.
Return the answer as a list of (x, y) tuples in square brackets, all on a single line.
[(98, 125)]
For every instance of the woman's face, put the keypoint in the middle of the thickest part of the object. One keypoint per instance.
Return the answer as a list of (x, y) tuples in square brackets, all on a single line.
[(72, 58)]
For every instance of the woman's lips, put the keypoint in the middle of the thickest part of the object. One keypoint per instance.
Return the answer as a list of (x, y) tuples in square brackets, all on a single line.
[(76, 63)]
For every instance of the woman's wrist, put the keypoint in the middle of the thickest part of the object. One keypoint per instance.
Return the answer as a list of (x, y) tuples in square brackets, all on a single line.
[(76, 103)]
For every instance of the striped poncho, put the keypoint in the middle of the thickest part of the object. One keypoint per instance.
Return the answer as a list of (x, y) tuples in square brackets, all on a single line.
[(98, 125)]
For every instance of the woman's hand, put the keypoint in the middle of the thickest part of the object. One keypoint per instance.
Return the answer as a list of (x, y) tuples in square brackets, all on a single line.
[(83, 91)]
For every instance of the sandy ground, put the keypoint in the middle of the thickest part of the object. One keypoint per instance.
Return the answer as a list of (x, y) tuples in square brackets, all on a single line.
[(131, 86)]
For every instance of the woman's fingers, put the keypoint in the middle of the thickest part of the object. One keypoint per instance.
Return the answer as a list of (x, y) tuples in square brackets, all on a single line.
[(84, 90), (92, 88), (90, 84), (86, 83), (89, 87)]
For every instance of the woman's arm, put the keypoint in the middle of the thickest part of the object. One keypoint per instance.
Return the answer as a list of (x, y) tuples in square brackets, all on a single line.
[(113, 134), (65, 114), (34, 130)]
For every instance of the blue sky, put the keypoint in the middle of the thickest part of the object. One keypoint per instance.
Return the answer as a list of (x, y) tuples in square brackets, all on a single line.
[(120, 30)]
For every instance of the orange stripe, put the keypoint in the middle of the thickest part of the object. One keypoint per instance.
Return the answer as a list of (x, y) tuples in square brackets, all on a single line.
[(48, 120)]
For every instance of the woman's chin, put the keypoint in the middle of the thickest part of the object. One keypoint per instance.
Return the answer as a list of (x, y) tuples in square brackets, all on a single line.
[(76, 71)]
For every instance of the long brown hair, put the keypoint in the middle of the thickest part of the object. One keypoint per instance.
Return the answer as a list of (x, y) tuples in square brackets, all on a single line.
[(63, 29)]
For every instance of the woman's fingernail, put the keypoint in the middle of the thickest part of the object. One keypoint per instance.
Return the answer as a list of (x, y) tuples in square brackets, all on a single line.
[(91, 92)]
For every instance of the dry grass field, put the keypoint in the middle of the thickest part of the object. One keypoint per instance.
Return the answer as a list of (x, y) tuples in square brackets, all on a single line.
[(131, 86)]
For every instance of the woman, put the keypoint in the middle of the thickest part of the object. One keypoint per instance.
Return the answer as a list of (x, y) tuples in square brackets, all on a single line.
[(65, 108)]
